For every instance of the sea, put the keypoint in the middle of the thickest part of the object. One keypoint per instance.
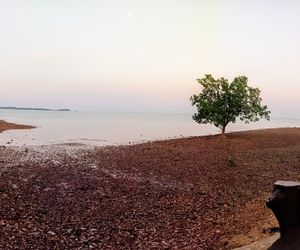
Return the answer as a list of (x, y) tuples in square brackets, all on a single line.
[(104, 128)]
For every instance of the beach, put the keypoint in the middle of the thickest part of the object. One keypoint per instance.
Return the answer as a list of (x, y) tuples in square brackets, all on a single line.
[(187, 193), (140, 125), (12, 126)]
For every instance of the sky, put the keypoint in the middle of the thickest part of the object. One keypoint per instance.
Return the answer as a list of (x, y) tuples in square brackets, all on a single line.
[(145, 56)]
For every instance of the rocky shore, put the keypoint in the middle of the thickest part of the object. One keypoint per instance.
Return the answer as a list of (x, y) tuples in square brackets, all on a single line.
[(190, 193)]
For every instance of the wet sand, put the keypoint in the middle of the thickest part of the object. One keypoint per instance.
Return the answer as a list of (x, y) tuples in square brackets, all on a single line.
[(189, 193), (9, 126)]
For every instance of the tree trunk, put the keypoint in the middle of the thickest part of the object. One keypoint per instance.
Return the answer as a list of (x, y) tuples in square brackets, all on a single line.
[(223, 132)]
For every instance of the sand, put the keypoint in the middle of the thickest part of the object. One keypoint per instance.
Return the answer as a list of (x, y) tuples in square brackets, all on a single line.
[(189, 193), (8, 126)]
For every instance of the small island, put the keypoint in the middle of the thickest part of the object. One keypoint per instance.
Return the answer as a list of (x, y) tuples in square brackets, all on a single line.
[(36, 109)]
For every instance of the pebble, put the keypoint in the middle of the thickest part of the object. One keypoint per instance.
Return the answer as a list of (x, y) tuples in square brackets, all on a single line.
[(51, 233)]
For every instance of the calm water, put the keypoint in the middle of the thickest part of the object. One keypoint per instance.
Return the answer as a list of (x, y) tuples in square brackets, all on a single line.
[(112, 128)]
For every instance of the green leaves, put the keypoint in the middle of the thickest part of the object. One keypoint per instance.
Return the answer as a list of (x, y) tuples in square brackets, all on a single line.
[(221, 102)]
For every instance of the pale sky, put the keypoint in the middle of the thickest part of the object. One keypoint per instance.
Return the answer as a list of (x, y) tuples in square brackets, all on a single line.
[(145, 55)]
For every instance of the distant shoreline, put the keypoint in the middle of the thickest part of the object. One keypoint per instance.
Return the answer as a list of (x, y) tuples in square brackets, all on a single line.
[(37, 109), (10, 126)]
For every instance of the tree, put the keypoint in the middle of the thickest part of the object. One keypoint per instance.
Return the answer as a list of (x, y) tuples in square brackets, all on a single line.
[(221, 102)]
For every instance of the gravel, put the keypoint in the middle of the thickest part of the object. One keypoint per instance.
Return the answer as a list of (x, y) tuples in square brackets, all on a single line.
[(190, 193)]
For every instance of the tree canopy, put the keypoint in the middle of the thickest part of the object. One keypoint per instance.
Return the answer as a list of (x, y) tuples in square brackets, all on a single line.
[(221, 102)]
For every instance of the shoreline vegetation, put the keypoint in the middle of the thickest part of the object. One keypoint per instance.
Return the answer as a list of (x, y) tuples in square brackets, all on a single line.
[(11, 126), (189, 193)]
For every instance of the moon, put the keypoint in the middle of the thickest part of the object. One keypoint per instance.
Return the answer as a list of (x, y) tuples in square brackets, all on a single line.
[(129, 13)]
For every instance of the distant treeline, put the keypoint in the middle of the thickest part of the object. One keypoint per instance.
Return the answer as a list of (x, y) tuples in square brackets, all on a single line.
[(38, 109)]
